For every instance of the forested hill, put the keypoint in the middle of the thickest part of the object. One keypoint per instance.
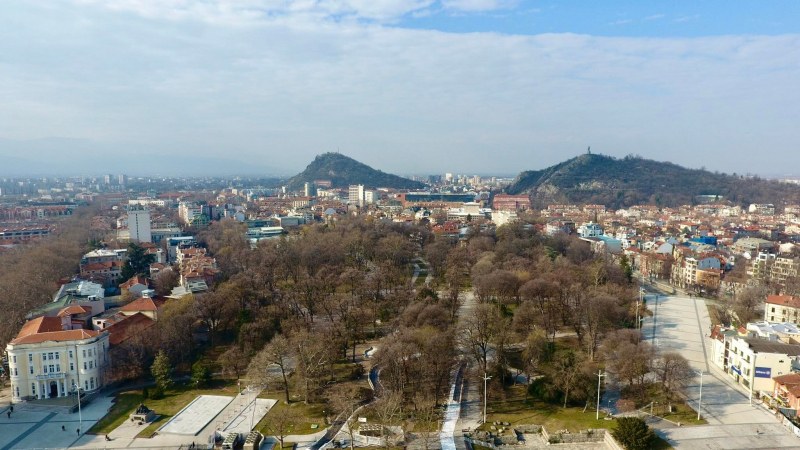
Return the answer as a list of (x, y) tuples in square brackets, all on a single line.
[(600, 179), (343, 171)]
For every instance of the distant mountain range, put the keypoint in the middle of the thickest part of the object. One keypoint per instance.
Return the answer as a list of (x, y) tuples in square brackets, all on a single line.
[(600, 179), (343, 171)]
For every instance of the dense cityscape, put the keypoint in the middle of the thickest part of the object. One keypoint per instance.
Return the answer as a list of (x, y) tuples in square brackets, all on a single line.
[(354, 314)]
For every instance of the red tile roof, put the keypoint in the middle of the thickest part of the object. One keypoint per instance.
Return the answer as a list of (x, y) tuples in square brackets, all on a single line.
[(791, 381), (40, 325), (783, 300), (56, 336), (124, 329), (73, 309), (134, 281), (143, 304)]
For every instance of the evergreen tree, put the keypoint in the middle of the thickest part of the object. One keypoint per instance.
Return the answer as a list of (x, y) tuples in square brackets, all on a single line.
[(201, 374), (138, 262), (633, 433), (162, 371), (625, 265)]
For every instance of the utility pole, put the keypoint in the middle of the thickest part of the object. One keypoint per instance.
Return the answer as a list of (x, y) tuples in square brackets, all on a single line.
[(700, 399), (600, 374), (485, 379)]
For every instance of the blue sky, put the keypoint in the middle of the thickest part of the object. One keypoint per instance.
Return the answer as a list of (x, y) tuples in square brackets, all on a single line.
[(619, 18), (407, 86)]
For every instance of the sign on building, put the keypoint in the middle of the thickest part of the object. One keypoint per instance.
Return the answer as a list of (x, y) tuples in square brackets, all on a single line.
[(763, 372)]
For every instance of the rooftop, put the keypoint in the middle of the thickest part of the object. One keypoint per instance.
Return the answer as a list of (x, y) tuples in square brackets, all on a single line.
[(764, 346), (783, 300), (56, 336)]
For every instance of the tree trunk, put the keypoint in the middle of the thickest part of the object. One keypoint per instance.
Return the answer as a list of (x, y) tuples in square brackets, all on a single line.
[(285, 387)]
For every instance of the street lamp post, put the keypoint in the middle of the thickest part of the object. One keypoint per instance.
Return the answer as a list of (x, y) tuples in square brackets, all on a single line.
[(485, 379), (600, 374), (700, 398), (80, 415)]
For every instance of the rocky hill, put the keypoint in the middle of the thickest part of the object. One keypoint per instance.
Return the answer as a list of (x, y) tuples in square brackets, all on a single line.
[(600, 179), (343, 171)]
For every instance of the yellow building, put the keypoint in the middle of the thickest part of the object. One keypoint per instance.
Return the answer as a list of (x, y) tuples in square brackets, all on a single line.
[(48, 359)]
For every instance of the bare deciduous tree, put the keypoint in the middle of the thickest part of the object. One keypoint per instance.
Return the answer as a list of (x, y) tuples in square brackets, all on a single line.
[(674, 371)]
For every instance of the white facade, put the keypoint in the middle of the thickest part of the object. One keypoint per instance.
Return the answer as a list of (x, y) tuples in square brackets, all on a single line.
[(752, 362), (147, 201), (54, 368), (139, 225), (188, 211), (590, 229), (370, 197), (355, 194), (501, 218)]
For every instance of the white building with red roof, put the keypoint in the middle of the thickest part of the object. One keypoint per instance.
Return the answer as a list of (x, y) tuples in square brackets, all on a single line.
[(49, 358), (782, 308)]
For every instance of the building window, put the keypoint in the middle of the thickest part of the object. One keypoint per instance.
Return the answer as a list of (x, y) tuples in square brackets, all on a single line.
[(92, 382), (16, 389), (57, 355), (91, 364), (33, 389), (71, 366), (30, 357), (31, 367), (86, 383), (15, 371), (70, 354), (44, 368), (58, 367), (84, 365), (44, 356), (84, 353)]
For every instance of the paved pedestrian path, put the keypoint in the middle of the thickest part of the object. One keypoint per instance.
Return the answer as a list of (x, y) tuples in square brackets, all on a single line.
[(681, 324)]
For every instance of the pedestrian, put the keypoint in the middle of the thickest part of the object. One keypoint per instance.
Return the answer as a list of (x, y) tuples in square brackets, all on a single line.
[(63, 428), (9, 414), (78, 431), (11, 407)]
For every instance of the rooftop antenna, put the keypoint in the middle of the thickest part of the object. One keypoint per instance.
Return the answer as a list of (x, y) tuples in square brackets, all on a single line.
[(589, 150)]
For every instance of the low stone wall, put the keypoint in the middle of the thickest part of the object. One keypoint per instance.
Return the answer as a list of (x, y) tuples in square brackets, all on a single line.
[(565, 437), (591, 438)]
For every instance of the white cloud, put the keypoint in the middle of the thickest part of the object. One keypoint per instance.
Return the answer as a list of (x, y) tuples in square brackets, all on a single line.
[(284, 90), (479, 5), (250, 11)]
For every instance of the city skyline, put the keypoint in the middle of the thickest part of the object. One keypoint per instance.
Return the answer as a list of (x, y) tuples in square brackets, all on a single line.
[(407, 87)]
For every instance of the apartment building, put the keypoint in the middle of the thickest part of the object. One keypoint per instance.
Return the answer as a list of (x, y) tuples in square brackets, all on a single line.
[(782, 308)]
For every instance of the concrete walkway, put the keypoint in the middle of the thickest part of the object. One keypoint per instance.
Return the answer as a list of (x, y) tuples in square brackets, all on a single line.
[(682, 325)]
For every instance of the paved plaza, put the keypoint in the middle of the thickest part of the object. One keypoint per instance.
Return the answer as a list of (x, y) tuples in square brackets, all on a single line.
[(682, 324), (196, 415), (32, 427), (247, 418)]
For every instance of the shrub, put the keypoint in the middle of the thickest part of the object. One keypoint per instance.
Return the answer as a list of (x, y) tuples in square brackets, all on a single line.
[(633, 433)]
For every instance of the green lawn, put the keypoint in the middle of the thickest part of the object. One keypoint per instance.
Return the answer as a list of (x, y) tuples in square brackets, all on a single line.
[(124, 404), (311, 414), (516, 410), (174, 400), (681, 411)]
